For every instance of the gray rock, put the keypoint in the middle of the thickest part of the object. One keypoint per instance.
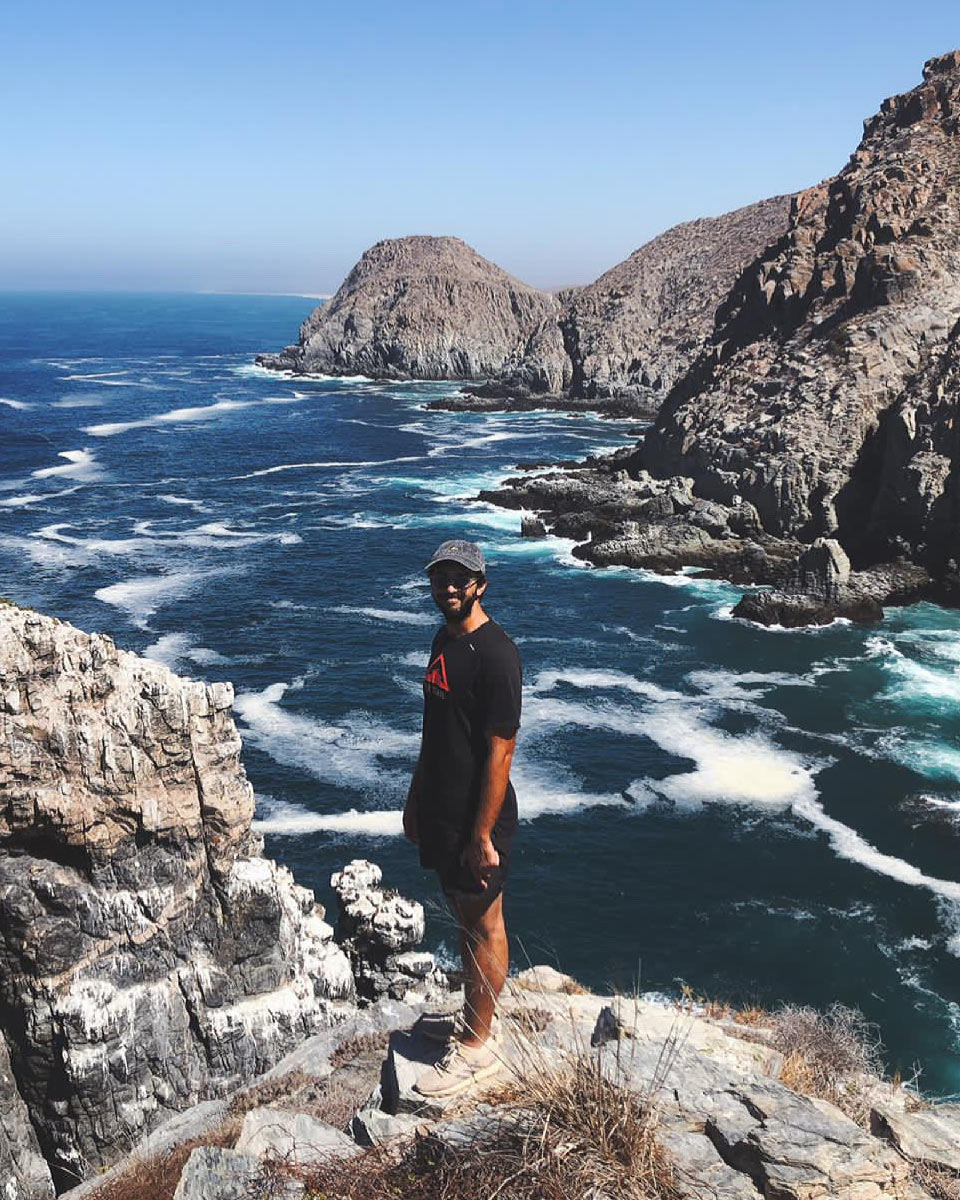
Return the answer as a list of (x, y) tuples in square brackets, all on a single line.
[(930, 1135), (296, 1139), (150, 958), (371, 1126), (431, 308), (378, 928), (214, 1174), (700, 1172), (23, 1168), (607, 1028)]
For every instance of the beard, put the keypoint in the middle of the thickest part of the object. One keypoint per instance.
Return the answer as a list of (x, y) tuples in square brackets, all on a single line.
[(465, 609)]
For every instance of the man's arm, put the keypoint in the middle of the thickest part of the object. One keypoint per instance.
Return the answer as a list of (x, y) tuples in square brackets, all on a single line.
[(480, 855), (411, 823)]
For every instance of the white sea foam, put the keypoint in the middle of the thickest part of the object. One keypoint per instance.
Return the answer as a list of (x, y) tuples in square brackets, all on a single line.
[(281, 817), (395, 616), (347, 753), (169, 649), (78, 402), (141, 596), (184, 500), (20, 404), (324, 464), (38, 498), (730, 687), (80, 464), (204, 412), (546, 681)]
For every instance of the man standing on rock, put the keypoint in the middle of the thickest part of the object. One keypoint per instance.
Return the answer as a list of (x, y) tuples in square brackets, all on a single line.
[(461, 809)]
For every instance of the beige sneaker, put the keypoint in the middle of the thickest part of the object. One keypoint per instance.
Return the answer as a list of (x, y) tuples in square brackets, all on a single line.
[(442, 1027), (460, 1068)]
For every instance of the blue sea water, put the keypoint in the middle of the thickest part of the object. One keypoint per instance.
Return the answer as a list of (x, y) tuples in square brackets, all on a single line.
[(762, 815)]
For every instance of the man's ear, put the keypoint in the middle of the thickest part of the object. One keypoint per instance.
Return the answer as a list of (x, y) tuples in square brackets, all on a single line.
[(481, 587)]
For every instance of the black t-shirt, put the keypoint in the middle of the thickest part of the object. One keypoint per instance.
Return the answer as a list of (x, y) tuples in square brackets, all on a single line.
[(471, 689)]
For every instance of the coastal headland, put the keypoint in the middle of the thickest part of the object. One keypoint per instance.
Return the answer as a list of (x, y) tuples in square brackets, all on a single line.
[(797, 358)]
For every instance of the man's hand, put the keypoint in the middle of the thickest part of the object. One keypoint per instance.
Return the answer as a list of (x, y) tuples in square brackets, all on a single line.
[(481, 858)]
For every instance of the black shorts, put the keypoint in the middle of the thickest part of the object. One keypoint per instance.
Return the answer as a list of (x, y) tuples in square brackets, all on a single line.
[(458, 880)]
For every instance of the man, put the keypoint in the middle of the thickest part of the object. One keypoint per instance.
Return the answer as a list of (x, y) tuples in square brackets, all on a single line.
[(461, 808)]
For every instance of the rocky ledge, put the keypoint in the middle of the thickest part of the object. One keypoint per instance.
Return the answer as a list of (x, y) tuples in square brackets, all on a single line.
[(715, 1089)]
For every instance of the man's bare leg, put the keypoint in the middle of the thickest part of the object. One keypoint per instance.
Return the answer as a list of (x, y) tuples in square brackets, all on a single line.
[(485, 954)]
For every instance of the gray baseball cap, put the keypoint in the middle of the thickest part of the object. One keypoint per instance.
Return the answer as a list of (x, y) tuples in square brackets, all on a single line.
[(467, 554)]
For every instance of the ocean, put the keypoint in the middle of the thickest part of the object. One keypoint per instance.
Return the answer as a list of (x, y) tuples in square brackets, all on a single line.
[(753, 815)]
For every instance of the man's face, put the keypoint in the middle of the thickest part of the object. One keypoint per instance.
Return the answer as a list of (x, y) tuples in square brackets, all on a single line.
[(455, 589)]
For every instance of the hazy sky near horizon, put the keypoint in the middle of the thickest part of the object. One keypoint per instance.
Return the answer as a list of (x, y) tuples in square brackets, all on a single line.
[(242, 146)]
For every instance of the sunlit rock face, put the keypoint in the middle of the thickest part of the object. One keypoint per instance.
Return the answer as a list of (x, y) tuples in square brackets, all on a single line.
[(430, 308), (150, 957), (826, 395)]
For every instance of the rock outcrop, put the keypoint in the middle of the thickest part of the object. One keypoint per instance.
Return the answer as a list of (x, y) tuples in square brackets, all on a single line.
[(636, 329), (430, 308), (728, 1125), (825, 394), (380, 931), (150, 957), (824, 404)]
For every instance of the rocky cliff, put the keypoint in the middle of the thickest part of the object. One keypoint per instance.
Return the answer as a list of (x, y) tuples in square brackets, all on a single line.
[(823, 408), (638, 327), (825, 395), (150, 957), (430, 308)]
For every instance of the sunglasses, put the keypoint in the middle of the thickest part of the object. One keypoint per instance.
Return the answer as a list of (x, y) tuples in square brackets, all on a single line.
[(460, 580)]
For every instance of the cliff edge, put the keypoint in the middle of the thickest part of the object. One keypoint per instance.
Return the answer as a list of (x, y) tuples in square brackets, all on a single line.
[(150, 957)]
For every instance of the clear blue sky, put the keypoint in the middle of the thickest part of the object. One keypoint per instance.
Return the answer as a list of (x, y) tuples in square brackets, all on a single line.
[(246, 146)]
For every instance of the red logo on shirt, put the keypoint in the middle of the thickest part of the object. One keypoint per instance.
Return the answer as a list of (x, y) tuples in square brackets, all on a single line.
[(437, 674)]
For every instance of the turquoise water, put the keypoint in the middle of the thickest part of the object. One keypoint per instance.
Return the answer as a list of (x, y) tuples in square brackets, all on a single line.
[(763, 815)]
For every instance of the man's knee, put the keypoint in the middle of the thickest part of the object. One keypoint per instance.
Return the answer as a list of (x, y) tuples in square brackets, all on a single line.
[(478, 918)]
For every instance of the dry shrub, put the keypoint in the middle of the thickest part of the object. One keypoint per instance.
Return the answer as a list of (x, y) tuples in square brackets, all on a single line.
[(834, 1055), (562, 1132), (940, 1183), (156, 1178), (274, 1092), (353, 1048)]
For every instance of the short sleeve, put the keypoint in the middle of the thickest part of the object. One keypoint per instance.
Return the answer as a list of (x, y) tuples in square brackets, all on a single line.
[(503, 682)]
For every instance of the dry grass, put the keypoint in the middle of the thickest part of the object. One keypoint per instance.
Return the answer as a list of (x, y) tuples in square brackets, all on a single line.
[(566, 1127), (156, 1178), (941, 1184), (572, 1135), (835, 1055), (355, 1047)]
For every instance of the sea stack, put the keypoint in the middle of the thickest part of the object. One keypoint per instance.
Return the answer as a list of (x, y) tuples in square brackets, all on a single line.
[(429, 308)]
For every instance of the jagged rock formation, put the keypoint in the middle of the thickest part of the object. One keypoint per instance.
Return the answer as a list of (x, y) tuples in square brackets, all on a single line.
[(430, 308), (825, 395), (380, 930), (638, 327), (825, 402), (149, 956)]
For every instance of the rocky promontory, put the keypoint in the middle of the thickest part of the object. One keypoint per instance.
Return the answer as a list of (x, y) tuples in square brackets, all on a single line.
[(429, 308), (824, 404)]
